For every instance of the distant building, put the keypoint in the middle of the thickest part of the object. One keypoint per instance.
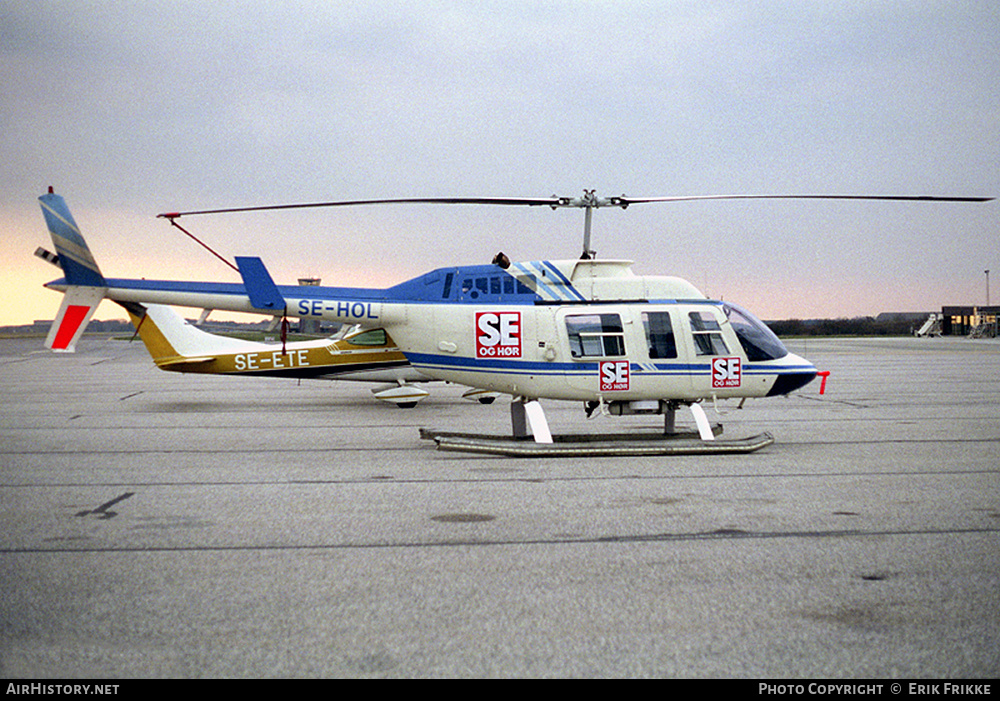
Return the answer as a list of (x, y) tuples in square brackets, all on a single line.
[(968, 321)]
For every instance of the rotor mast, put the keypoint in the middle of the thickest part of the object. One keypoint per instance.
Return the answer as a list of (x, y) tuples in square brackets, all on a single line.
[(589, 202)]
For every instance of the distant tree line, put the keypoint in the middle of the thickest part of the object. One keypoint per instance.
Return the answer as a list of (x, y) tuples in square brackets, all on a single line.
[(110, 326), (883, 325)]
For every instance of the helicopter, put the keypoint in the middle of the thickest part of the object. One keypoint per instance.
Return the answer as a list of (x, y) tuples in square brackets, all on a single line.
[(587, 330)]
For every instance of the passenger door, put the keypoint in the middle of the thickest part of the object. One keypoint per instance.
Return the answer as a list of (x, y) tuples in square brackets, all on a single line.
[(716, 359), (664, 372), (594, 341)]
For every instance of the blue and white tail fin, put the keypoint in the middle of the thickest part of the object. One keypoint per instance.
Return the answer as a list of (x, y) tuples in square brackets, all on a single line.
[(84, 284), (75, 257)]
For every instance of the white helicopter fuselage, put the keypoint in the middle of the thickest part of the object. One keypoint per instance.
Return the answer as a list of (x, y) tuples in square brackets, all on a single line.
[(539, 352), (603, 335)]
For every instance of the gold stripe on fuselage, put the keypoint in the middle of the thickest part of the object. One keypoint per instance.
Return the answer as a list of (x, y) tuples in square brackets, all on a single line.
[(374, 350), (328, 359)]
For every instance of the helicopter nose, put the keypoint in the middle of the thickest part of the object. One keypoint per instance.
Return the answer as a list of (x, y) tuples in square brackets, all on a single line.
[(794, 372)]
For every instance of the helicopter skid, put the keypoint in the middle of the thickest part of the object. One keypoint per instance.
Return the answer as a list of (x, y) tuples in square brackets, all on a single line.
[(589, 445)]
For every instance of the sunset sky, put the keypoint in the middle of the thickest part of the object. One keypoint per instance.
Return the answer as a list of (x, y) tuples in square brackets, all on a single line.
[(132, 109)]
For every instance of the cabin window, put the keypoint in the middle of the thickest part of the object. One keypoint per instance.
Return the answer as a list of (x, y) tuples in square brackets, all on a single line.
[(595, 335), (494, 285), (508, 285), (375, 337), (447, 285), (659, 335), (707, 334)]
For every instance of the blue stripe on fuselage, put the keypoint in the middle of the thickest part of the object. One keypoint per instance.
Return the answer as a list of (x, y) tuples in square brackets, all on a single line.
[(777, 369), (521, 367), (501, 366)]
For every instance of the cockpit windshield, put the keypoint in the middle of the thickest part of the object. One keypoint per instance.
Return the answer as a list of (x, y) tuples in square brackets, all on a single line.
[(757, 340)]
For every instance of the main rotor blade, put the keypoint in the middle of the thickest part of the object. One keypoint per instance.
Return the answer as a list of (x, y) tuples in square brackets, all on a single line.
[(589, 201), (529, 201), (624, 201)]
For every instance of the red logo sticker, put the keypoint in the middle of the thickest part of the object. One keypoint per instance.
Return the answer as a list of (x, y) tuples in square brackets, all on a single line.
[(614, 375), (498, 334), (726, 372)]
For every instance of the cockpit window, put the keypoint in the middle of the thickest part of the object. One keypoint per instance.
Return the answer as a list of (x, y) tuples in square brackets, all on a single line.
[(375, 337), (758, 341), (707, 334)]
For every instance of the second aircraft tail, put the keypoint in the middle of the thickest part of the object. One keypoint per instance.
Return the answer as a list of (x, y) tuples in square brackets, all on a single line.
[(173, 343)]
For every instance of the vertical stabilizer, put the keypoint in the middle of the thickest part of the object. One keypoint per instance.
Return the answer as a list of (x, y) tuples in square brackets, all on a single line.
[(75, 257), (153, 338), (170, 340), (85, 285), (78, 306)]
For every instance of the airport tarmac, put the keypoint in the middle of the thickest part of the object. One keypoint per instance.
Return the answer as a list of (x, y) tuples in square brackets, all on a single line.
[(162, 525)]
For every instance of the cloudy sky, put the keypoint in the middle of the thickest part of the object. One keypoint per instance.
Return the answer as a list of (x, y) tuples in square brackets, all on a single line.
[(133, 108)]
